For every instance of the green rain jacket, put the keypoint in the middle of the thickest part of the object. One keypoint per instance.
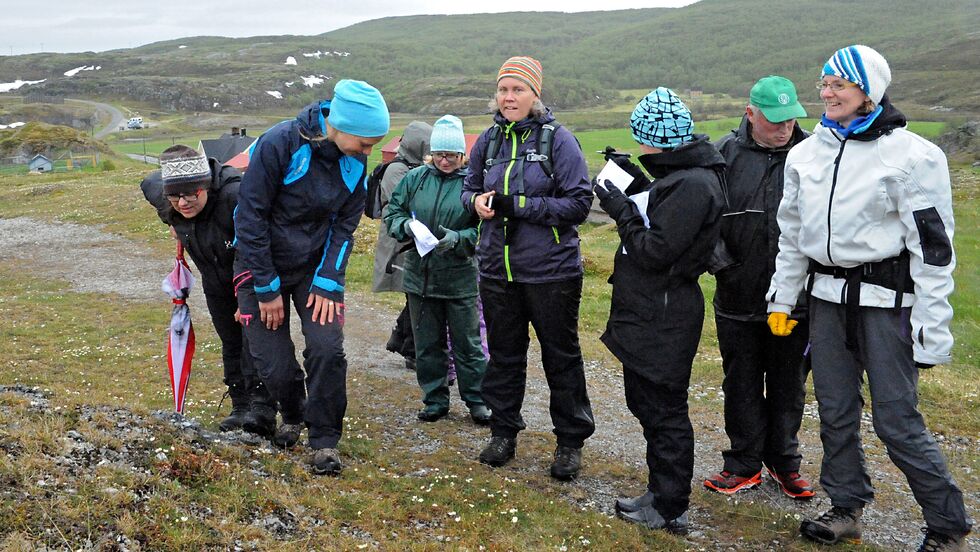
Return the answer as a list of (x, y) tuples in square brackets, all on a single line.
[(433, 198)]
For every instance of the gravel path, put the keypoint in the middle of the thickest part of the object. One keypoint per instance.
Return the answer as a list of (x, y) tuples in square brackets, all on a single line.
[(94, 261)]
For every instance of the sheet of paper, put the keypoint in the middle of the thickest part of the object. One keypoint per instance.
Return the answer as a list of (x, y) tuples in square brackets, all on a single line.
[(615, 174), (641, 200), (425, 242)]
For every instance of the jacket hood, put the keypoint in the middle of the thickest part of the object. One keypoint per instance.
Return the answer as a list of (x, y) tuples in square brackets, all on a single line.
[(415, 142), (312, 119), (744, 136), (697, 153), (526, 122)]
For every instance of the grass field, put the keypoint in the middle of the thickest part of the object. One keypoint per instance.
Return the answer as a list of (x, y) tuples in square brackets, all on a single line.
[(88, 349)]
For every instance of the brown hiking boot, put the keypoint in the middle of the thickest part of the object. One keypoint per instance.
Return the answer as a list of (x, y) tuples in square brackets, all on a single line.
[(941, 542), (834, 526)]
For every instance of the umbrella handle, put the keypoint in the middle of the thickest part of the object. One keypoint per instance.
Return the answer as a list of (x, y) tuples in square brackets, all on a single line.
[(180, 254)]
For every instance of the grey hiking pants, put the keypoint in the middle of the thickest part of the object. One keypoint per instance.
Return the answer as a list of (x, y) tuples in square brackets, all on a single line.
[(884, 353)]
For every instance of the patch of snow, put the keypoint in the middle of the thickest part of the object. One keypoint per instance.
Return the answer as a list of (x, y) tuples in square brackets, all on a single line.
[(12, 125), (315, 54), (342, 54), (8, 86), (288, 84), (290, 60), (73, 72), (181, 47), (215, 104), (311, 80), (275, 94)]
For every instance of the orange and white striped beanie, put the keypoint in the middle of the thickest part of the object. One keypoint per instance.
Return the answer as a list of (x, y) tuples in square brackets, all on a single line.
[(525, 69)]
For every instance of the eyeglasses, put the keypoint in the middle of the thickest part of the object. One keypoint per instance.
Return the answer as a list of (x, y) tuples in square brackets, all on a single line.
[(448, 156), (835, 86), (189, 198)]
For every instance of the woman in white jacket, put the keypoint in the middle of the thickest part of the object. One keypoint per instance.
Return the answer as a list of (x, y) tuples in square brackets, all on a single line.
[(866, 225)]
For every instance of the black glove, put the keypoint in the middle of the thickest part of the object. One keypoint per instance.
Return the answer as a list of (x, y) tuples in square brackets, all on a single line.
[(611, 199), (600, 190), (640, 181), (503, 205)]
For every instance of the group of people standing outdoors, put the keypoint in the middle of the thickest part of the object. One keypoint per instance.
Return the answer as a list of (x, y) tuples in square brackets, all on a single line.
[(832, 254)]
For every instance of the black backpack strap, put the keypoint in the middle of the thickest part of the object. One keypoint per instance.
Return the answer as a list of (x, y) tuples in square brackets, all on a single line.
[(495, 139), (546, 147)]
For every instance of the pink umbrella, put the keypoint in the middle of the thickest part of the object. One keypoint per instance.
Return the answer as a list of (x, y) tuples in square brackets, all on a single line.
[(180, 337)]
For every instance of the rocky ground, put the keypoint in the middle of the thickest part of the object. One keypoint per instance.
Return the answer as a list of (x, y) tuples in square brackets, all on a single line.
[(93, 261)]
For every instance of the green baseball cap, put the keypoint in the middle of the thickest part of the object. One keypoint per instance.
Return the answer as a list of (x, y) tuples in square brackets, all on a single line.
[(776, 97)]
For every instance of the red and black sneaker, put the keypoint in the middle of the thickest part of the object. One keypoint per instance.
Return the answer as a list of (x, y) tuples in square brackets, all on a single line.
[(728, 483), (793, 484)]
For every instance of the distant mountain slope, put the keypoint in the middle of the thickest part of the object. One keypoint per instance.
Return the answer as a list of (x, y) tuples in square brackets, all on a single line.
[(435, 64)]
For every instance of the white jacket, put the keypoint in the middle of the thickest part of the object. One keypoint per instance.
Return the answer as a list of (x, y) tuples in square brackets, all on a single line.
[(889, 194)]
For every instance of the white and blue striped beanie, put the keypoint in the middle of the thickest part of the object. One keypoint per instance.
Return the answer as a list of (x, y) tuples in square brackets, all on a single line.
[(864, 67), (661, 120)]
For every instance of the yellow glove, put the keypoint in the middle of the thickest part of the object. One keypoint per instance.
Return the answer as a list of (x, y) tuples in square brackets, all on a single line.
[(779, 324)]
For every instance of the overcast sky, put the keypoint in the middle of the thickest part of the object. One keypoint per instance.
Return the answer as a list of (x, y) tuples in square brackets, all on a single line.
[(78, 26)]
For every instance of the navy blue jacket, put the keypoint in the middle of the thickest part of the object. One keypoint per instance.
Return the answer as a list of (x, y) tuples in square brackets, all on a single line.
[(542, 237), (299, 204)]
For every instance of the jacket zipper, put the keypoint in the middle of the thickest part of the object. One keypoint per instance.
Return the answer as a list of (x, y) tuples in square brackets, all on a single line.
[(830, 201), (513, 158)]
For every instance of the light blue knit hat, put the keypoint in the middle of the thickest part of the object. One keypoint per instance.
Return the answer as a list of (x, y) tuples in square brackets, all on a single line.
[(358, 108), (661, 120), (863, 66), (447, 135)]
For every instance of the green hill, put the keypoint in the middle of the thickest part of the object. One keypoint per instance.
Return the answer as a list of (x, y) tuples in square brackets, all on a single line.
[(434, 64)]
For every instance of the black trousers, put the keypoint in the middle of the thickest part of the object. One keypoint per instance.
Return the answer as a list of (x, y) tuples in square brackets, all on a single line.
[(661, 408), (552, 309), (244, 385), (323, 401), (764, 395)]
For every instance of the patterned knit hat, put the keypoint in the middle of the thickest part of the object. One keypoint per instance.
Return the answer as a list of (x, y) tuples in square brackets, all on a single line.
[(184, 170), (525, 69), (447, 135), (661, 120), (864, 67)]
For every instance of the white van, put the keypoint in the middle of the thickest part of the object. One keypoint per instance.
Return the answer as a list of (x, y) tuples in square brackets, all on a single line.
[(135, 122)]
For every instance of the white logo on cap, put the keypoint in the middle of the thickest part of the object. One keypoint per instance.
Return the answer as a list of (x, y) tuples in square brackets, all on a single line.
[(783, 99)]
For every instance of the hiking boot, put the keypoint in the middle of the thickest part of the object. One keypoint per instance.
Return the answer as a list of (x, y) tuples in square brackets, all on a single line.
[(432, 413), (499, 451), (833, 526), (635, 503), (287, 435), (326, 461), (941, 542), (792, 483), (235, 420), (480, 414), (567, 463), (649, 517), (260, 420), (728, 483)]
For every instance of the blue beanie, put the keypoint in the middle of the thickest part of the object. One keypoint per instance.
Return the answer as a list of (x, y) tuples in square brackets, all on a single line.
[(358, 108), (447, 135), (661, 120)]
